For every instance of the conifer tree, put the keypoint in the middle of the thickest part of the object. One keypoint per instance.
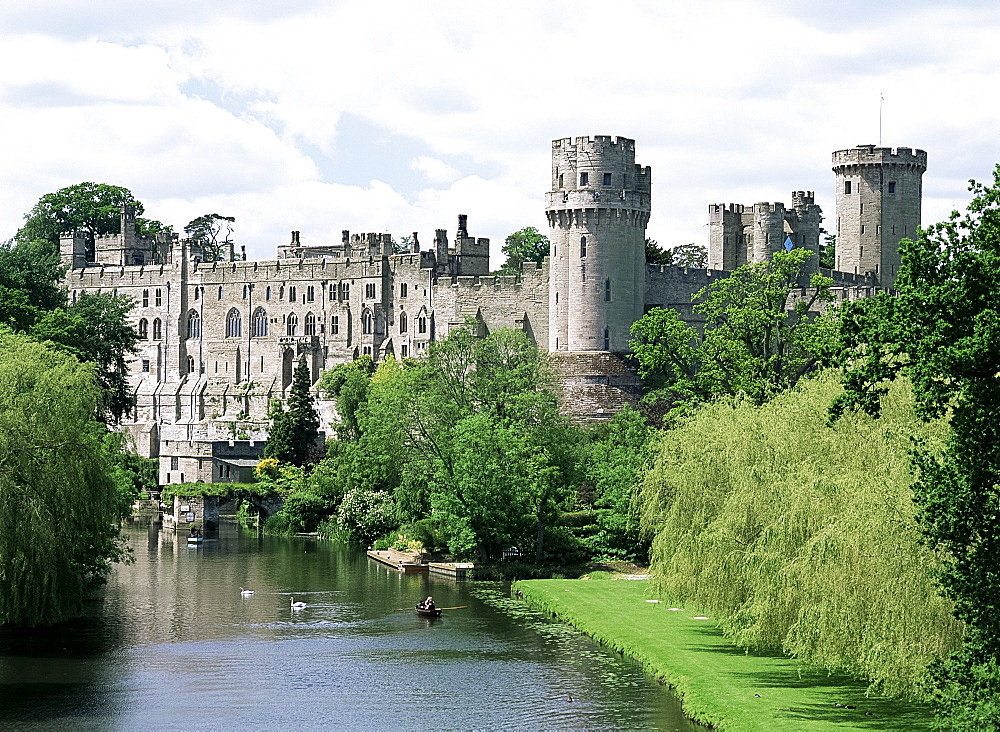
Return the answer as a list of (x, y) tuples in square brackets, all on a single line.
[(296, 429)]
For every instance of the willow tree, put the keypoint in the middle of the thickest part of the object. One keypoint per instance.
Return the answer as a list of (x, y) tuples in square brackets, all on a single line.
[(61, 501), (800, 536)]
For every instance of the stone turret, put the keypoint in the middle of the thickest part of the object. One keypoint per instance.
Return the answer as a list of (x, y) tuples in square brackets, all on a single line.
[(597, 209), (879, 192)]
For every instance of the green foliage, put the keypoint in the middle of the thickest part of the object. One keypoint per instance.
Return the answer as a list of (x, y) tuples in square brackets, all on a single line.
[(942, 330), (690, 255), (750, 343), (366, 514), (347, 383), (94, 208), (619, 454), (655, 254), (525, 245), (30, 283), (294, 432), (801, 536), (211, 232), (828, 250), (63, 492)]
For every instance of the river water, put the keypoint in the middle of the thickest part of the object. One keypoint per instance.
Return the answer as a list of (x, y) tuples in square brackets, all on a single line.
[(171, 644)]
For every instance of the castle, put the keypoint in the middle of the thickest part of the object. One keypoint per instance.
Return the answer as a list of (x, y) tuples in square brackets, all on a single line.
[(219, 338)]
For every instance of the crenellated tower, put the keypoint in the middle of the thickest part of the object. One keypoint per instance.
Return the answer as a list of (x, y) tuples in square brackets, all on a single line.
[(597, 209), (878, 203)]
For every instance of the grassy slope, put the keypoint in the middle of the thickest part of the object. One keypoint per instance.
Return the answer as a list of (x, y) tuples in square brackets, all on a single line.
[(718, 681)]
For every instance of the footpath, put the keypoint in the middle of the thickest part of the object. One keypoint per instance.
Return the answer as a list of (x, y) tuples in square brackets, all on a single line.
[(719, 684)]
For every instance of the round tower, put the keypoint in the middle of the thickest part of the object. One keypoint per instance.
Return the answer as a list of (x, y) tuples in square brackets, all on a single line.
[(597, 209), (878, 203)]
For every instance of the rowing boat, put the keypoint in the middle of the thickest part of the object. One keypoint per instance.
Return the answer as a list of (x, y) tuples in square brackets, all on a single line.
[(425, 613)]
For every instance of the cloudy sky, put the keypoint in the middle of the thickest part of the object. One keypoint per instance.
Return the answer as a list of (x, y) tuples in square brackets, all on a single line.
[(397, 116)]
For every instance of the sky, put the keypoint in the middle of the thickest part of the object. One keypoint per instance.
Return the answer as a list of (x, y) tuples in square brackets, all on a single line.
[(319, 116)]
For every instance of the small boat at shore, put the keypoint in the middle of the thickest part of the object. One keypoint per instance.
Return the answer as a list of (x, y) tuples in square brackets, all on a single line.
[(428, 613)]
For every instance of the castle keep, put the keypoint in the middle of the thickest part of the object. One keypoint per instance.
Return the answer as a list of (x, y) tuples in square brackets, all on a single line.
[(219, 338)]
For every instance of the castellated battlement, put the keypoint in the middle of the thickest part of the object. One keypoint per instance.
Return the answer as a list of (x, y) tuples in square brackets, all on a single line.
[(595, 143), (803, 198), (872, 155)]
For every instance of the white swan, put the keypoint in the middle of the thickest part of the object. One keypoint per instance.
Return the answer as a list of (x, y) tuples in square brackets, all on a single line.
[(297, 605), (246, 593)]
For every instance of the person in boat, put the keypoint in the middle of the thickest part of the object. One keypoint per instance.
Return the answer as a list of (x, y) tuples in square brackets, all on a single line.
[(195, 532), (427, 604)]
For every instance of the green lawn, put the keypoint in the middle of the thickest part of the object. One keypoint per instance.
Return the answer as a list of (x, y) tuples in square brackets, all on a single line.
[(718, 682)]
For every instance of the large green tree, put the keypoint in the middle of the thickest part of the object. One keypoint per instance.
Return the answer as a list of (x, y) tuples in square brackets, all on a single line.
[(30, 282), (63, 493), (526, 245), (295, 431), (94, 208), (750, 343), (690, 255), (942, 329)]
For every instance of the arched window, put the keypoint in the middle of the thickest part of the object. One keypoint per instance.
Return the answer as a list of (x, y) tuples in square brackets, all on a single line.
[(259, 323), (145, 298), (159, 297), (190, 364), (310, 329), (246, 291), (607, 290), (291, 293), (234, 324), (421, 324), (583, 246), (293, 325), (143, 329), (157, 329), (366, 322), (194, 324), (402, 322)]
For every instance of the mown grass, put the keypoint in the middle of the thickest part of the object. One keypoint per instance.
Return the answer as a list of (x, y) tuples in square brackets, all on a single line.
[(719, 683)]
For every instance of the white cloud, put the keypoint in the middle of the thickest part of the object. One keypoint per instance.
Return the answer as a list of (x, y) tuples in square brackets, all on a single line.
[(434, 170)]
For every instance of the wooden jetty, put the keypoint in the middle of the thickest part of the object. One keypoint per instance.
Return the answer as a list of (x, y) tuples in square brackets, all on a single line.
[(454, 570), (400, 561)]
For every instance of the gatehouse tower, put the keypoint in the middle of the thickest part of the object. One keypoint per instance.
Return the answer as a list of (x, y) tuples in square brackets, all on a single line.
[(878, 203), (597, 209)]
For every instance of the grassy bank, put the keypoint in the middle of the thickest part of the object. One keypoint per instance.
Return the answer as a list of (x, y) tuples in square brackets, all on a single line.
[(719, 683)]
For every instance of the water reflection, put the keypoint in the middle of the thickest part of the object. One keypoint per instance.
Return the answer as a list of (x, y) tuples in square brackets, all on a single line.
[(171, 643)]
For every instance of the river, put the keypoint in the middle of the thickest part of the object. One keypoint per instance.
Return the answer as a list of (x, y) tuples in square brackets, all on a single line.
[(170, 643)]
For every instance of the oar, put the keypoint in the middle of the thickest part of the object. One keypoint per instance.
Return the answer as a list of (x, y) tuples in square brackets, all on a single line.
[(460, 607), (411, 609)]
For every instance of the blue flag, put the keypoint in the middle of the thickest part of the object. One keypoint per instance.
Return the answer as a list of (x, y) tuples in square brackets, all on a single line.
[(788, 244)]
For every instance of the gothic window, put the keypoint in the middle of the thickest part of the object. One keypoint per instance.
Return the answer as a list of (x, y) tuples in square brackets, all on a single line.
[(607, 340), (402, 322), (310, 294), (293, 325), (421, 324), (190, 365), (310, 328), (366, 322), (259, 323), (194, 324), (607, 290), (607, 179), (143, 329), (234, 324), (159, 297), (335, 324), (291, 293), (157, 329), (145, 298), (583, 246), (584, 179), (402, 290)]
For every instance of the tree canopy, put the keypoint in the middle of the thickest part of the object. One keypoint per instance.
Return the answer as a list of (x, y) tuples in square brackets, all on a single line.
[(655, 254), (751, 343), (690, 255), (62, 494), (942, 330), (295, 431), (94, 208), (212, 233), (525, 245)]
